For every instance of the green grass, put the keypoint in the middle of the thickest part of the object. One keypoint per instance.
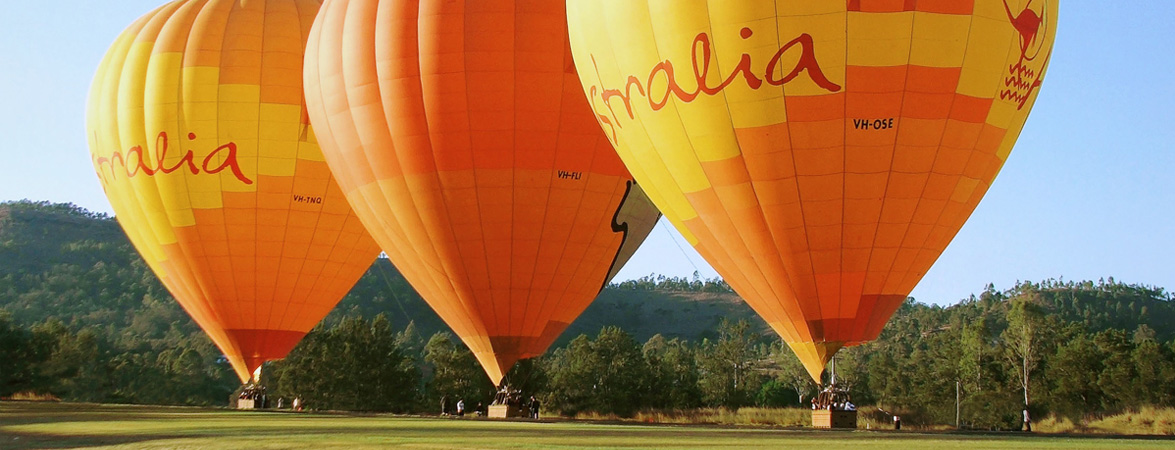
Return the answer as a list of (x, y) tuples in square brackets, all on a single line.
[(56, 425)]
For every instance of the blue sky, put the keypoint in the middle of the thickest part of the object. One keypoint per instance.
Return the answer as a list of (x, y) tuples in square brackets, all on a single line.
[(1087, 193)]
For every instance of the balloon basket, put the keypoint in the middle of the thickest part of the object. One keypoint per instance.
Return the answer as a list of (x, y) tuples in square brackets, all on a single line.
[(822, 418), (505, 412)]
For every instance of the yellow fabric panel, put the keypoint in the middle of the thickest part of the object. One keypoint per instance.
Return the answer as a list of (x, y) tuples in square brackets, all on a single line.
[(987, 47), (132, 132), (707, 129), (1002, 114), (278, 139), (996, 9), (308, 149), (200, 111), (940, 40), (161, 113), (672, 144), (748, 107), (879, 39), (790, 8), (238, 121)]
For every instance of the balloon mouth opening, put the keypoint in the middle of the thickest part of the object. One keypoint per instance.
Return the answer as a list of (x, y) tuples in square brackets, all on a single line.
[(256, 346), (815, 356)]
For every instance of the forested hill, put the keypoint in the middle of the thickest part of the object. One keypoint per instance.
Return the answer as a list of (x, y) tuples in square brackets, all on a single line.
[(35, 236), (61, 261)]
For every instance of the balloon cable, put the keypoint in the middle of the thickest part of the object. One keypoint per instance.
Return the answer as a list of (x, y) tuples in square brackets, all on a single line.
[(392, 290), (679, 247)]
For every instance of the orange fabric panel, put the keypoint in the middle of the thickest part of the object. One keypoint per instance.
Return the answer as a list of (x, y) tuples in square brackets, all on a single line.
[(959, 7), (881, 5)]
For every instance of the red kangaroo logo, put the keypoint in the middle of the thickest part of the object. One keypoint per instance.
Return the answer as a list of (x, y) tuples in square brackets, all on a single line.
[(1022, 78), (1028, 23)]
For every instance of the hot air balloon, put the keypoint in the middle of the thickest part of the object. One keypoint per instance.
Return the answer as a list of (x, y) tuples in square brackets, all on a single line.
[(819, 154), (460, 135), (199, 136)]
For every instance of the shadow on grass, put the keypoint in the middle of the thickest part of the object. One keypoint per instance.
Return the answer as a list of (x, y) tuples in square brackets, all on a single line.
[(29, 441)]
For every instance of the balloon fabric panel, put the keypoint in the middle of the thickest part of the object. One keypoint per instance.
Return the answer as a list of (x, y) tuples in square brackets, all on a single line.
[(820, 155), (200, 139), (460, 135)]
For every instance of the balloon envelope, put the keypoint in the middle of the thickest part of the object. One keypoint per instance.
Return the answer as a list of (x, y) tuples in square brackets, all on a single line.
[(462, 139), (198, 133), (819, 154)]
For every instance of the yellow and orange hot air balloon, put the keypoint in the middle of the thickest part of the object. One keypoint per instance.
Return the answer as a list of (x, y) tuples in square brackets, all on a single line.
[(819, 154), (461, 137), (199, 135)]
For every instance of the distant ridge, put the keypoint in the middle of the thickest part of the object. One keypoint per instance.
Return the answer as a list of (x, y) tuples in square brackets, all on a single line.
[(40, 242), (60, 260)]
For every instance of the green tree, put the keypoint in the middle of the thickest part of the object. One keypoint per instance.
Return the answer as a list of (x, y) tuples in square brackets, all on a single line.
[(1075, 368), (1022, 341), (572, 377), (977, 351), (20, 354), (356, 365), (605, 375), (1151, 368), (673, 377), (726, 366), (849, 367), (793, 375), (1117, 377), (455, 372), (622, 372), (77, 368)]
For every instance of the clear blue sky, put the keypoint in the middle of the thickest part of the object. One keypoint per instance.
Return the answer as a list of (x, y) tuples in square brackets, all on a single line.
[(1087, 193)]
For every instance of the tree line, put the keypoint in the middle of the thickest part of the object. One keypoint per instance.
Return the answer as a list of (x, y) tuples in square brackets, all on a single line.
[(655, 282), (998, 350)]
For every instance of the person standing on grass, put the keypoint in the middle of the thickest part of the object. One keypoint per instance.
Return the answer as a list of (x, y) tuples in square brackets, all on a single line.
[(534, 407), (461, 408)]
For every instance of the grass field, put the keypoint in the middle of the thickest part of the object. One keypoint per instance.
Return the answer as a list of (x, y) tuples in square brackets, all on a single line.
[(57, 425)]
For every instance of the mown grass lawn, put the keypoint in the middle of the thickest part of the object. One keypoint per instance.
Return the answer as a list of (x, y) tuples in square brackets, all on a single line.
[(41, 425)]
